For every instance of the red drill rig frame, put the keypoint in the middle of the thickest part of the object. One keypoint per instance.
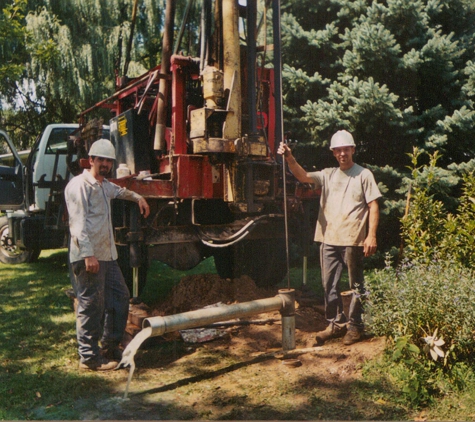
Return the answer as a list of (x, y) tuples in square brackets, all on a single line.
[(199, 135)]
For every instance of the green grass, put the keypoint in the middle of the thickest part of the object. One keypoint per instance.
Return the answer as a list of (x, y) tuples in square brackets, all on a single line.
[(39, 378), (38, 356), (37, 337)]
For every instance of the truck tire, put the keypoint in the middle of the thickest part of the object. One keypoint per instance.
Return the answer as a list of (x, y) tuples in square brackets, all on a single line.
[(12, 254), (263, 260)]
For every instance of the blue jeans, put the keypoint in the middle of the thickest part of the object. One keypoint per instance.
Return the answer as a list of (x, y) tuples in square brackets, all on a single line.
[(332, 260), (103, 307)]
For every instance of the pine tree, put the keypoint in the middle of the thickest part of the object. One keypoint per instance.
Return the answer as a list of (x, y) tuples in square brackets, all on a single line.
[(397, 73)]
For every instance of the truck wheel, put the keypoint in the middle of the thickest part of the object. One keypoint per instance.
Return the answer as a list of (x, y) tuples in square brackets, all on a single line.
[(263, 260), (34, 255), (12, 254)]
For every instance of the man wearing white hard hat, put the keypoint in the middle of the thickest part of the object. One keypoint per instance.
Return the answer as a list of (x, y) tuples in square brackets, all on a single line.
[(103, 296), (346, 228)]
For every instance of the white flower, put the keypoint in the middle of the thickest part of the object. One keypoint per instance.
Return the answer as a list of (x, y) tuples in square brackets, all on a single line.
[(433, 344)]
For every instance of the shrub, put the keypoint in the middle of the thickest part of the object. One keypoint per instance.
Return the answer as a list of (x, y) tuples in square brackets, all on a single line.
[(429, 231), (415, 300), (407, 305), (425, 306)]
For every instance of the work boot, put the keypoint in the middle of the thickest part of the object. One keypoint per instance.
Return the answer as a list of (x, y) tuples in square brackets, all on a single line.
[(98, 364), (112, 353), (332, 331), (353, 335)]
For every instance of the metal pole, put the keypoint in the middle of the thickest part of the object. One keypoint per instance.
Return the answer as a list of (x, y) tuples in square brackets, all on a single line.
[(279, 116), (159, 143), (288, 333), (135, 255), (184, 21), (156, 326), (288, 319), (279, 119), (305, 240), (304, 270), (251, 68), (166, 324)]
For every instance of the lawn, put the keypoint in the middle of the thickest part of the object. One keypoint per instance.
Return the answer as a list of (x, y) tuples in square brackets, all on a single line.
[(39, 378)]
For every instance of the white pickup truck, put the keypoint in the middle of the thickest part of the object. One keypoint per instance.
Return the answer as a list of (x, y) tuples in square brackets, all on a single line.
[(31, 195)]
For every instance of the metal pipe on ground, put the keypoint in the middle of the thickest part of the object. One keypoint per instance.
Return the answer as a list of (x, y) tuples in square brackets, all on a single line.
[(284, 302)]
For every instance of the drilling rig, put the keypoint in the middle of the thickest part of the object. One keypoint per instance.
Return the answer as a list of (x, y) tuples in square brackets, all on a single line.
[(197, 137)]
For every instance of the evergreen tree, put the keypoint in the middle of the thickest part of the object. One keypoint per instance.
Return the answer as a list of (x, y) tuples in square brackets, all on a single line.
[(398, 74)]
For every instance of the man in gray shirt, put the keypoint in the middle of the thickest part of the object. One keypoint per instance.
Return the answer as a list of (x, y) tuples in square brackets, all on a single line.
[(346, 227), (101, 292)]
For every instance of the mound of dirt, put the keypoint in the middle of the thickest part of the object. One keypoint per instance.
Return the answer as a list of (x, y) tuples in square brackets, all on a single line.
[(197, 291), (243, 373)]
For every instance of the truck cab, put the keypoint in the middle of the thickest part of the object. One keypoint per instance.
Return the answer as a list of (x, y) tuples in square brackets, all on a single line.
[(11, 175), (31, 194), (47, 162)]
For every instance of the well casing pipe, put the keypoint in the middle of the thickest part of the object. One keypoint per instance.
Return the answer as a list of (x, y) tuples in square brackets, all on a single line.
[(160, 325), (284, 302), (288, 319)]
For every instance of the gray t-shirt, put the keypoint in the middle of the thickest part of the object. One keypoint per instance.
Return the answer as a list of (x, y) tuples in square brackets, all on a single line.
[(344, 211)]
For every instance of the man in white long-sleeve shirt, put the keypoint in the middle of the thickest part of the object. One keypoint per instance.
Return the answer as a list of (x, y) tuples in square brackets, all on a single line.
[(103, 296)]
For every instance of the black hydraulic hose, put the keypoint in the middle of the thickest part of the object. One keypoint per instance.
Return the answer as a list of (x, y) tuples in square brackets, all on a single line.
[(245, 229), (225, 245)]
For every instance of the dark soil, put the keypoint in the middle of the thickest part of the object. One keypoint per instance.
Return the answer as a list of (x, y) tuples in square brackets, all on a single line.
[(197, 291), (242, 373)]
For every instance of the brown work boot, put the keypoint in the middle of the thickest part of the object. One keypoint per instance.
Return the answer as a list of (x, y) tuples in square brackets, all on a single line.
[(112, 353), (353, 335), (332, 331), (98, 364)]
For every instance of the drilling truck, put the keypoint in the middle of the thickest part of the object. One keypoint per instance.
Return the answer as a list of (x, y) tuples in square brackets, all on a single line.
[(197, 137)]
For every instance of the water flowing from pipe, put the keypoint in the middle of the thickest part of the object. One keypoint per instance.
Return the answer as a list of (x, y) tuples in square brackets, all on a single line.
[(129, 354)]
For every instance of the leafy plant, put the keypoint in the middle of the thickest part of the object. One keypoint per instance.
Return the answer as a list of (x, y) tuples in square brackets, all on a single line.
[(430, 232), (416, 299), (424, 225), (428, 301), (408, 370)]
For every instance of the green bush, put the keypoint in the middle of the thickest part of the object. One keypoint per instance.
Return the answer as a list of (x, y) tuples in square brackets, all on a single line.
[(425, 306), (408, 305), (429, 231), (415, 300)]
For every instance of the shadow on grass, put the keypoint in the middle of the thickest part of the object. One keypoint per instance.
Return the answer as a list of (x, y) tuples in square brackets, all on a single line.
[(311, 398), (203, 376), (39, 378), (162, 388), (54, 393)]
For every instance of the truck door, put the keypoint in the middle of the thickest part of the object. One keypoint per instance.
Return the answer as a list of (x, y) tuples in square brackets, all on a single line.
[(11, 175)]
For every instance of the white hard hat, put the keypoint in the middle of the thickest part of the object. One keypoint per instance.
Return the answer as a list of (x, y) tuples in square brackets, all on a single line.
[(102, 148), (342, 138)]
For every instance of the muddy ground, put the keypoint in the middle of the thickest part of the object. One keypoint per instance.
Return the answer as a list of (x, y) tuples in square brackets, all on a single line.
[(240, 374)]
